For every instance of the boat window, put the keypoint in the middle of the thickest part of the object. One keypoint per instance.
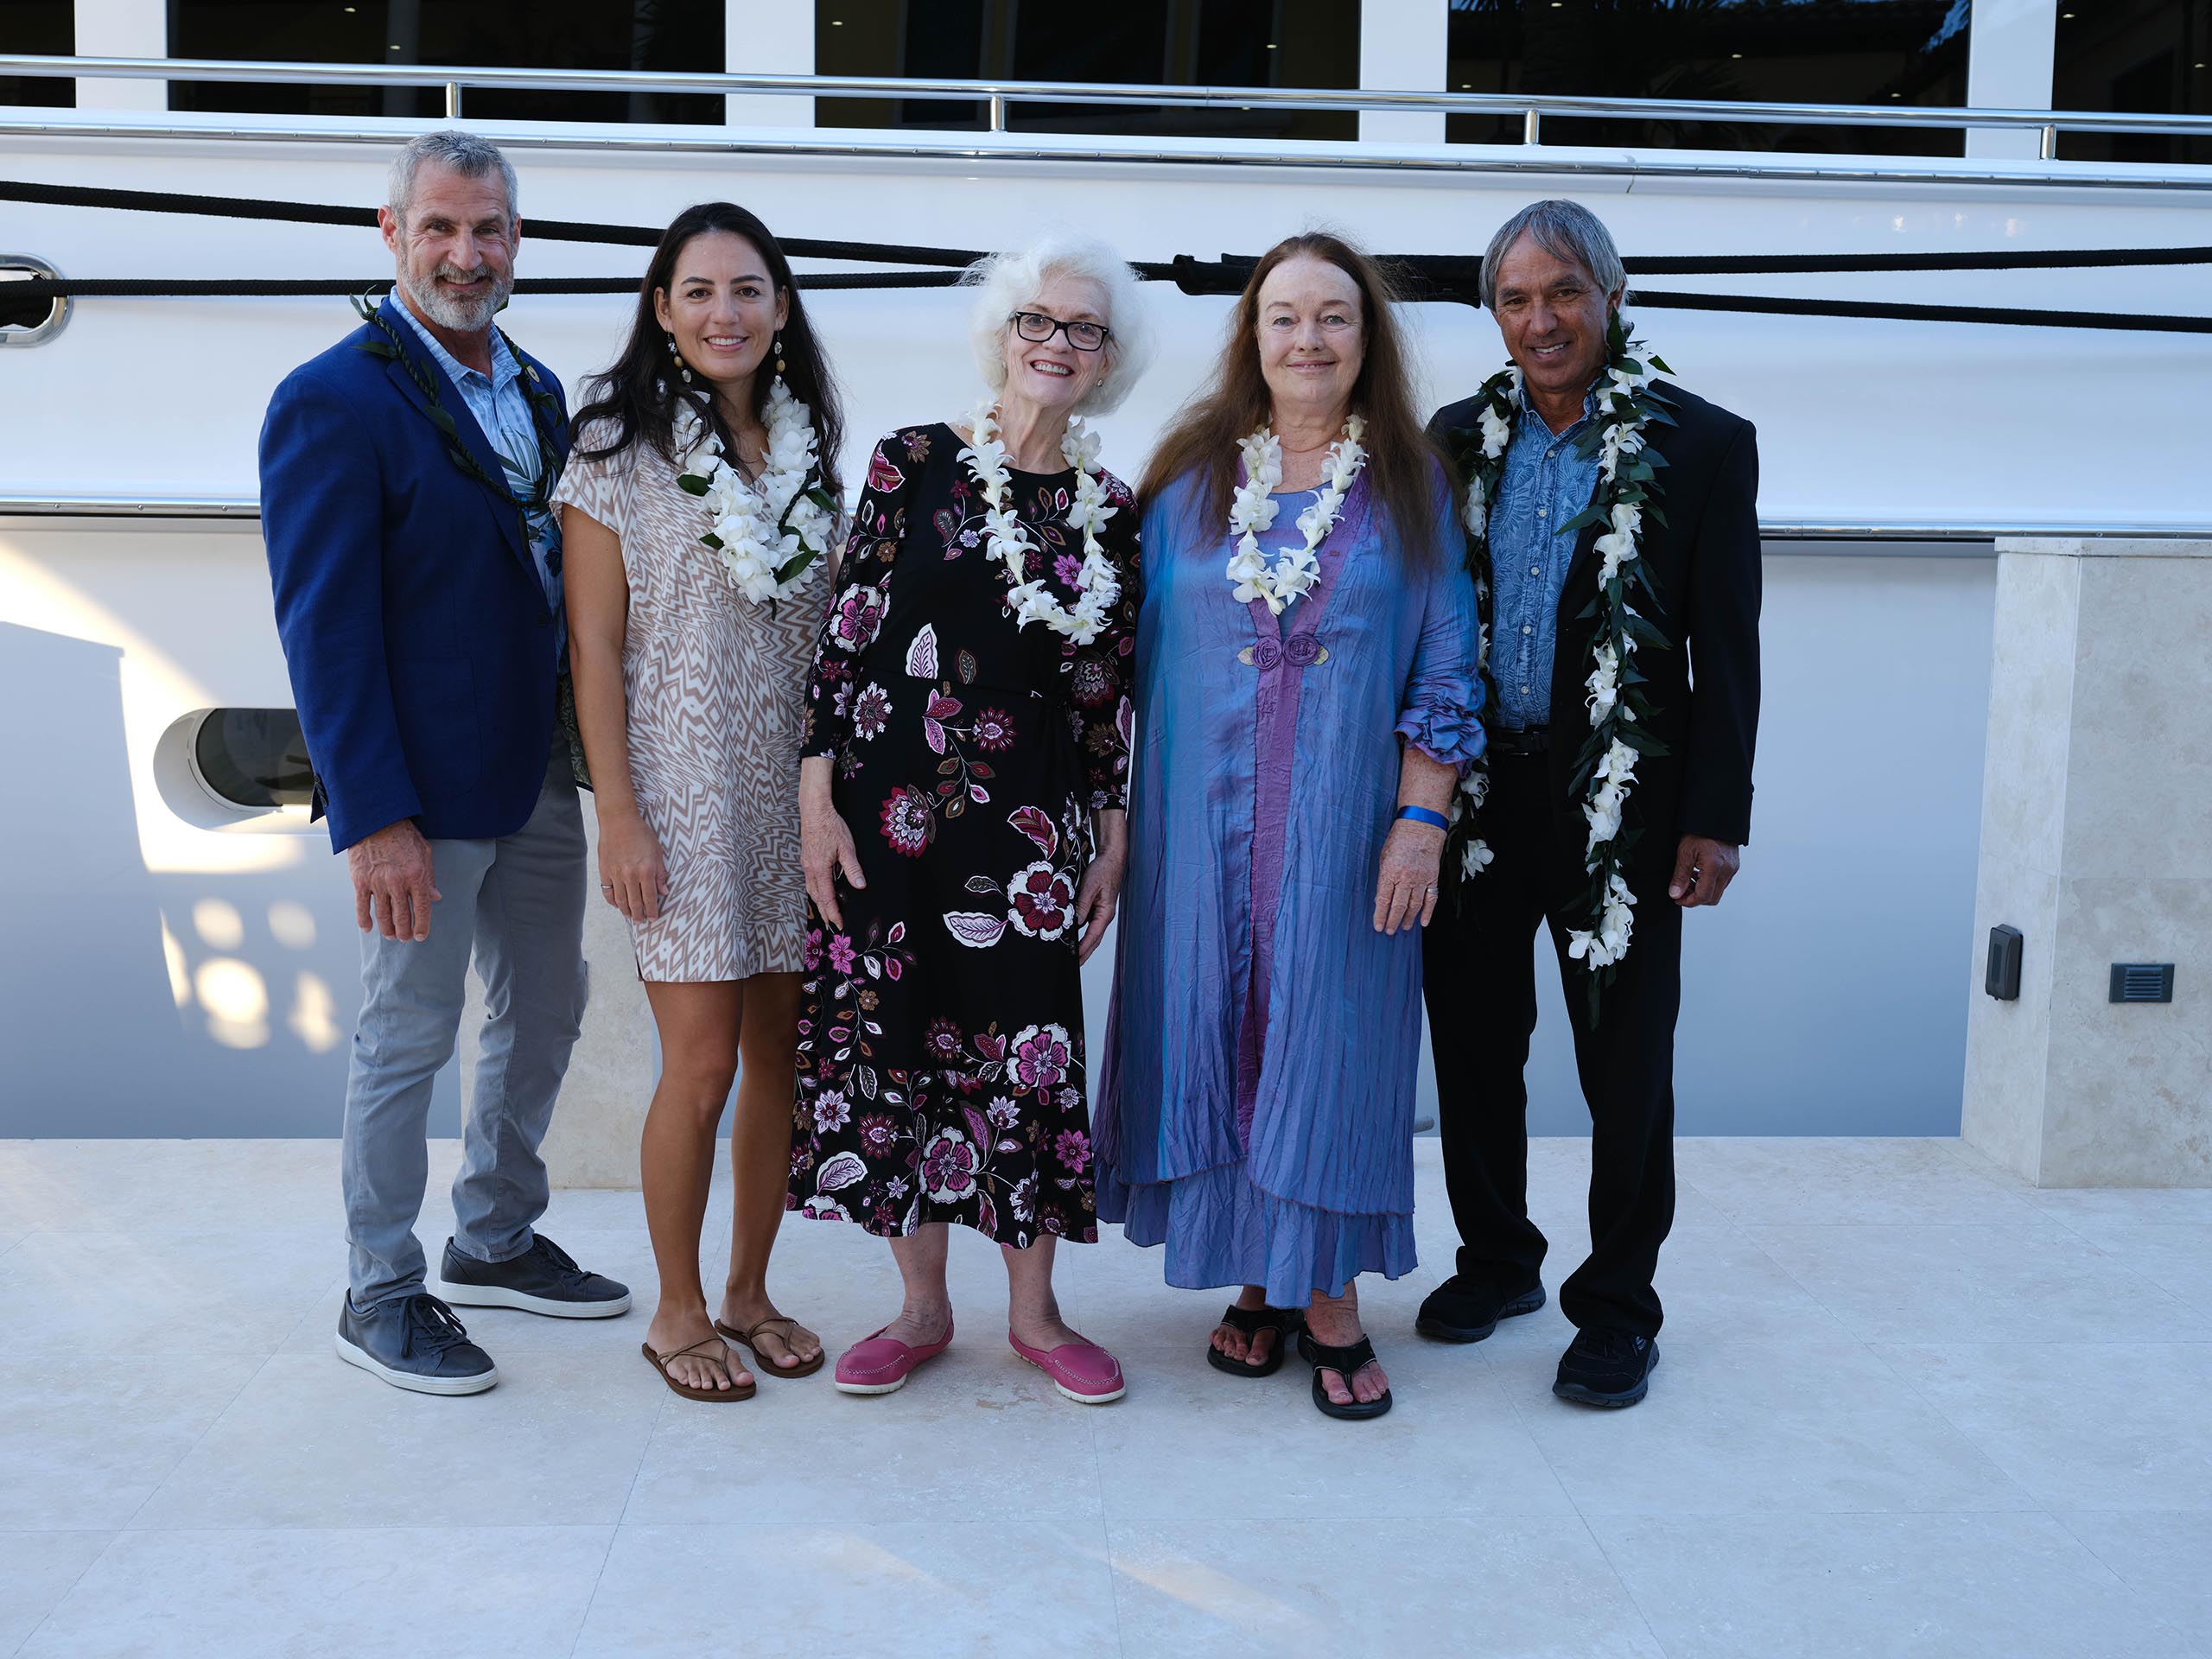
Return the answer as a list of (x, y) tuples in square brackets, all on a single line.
[(1901, 52), (2143, 56), (29, 322), (678, 36), (1303, 43), (253, 758), (38, 28)]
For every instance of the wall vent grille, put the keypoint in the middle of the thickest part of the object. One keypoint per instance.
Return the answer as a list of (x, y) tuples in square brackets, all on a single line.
[(2142, 981)]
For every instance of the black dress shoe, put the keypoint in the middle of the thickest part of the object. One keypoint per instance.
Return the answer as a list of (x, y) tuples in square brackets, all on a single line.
[(1461, 1310), (542, 1280), (1606, 1367), (414, 1343)]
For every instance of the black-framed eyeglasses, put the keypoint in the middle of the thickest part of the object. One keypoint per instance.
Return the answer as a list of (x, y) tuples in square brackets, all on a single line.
[(1036, 328)]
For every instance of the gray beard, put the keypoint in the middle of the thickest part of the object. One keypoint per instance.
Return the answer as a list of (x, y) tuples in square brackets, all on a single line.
[(462, 316)]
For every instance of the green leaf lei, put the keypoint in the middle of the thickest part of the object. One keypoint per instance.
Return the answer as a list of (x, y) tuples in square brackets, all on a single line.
[(1619, 701), (541, 498), (549, 459)]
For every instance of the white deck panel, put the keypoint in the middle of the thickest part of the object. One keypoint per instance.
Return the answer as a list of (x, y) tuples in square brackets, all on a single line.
[(1908, 1407)]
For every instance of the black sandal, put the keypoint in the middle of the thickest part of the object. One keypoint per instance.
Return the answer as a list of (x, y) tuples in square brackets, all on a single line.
[(1347, 1363), (1283, 1321)]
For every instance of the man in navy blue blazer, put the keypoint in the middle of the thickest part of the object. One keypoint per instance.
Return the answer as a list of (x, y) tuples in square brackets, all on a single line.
[(405, 477)]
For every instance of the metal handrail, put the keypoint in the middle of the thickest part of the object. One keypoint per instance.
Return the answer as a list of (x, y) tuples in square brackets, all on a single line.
[(996, 95), (54, 505), (971, 149)]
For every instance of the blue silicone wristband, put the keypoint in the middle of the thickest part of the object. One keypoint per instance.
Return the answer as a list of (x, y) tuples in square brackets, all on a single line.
[(1423, 814)]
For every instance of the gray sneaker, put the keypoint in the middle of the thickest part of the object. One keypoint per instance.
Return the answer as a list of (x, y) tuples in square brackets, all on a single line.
[(542, 1280), (414, 1342)]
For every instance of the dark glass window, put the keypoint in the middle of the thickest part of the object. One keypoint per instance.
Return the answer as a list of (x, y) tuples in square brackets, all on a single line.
[(2144, 56), (254, 757), (1903, 52), (679, 36), (38, 28), (1169, 43)]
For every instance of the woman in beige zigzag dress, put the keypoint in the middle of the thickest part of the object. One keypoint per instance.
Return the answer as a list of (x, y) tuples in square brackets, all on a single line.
[(698, 530)]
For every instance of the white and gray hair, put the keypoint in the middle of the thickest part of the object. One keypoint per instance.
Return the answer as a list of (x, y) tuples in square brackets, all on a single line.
[(1566, 230), (1006, 283), (458, 152)]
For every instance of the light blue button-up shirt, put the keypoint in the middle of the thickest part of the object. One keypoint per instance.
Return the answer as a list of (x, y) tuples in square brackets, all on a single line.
[(1547, 482), (500, 404)]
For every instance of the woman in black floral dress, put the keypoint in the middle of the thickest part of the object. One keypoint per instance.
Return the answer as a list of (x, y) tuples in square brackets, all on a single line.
[(961, 796)]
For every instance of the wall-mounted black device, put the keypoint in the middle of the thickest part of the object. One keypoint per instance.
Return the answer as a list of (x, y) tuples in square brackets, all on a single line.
[(2002, 978)]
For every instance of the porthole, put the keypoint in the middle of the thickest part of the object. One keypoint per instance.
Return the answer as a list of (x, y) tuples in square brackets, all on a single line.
[(235, 770), (254, 758), (27, 321)]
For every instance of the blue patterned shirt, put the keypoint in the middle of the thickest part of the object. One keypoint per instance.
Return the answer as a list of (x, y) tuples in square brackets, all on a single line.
[(1547, 482), (501, 406)]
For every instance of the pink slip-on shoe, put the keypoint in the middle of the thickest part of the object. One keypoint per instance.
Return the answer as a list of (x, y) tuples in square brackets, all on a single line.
[(1081, 1370), (881, 1365)]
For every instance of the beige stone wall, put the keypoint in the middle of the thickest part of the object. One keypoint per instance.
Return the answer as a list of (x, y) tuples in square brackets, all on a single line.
[(2096, 843)]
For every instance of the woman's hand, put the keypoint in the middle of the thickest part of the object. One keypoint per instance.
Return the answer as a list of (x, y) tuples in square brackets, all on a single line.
[(825, 845), (1405, 892), (1096, 899), (632, 876)]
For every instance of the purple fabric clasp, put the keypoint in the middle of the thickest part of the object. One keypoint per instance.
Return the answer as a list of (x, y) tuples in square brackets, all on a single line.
[(1301, 650), (1266, 653)]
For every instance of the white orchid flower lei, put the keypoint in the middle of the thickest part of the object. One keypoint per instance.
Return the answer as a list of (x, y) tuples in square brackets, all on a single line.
[(772, 533), (1096, 585), (1253, 509), (1619, 709)]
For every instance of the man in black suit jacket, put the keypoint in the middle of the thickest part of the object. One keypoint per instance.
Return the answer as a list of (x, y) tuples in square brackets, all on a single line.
[(1554, 283)]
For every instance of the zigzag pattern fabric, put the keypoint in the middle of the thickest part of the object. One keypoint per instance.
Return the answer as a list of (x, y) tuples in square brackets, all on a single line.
[(717, 688)]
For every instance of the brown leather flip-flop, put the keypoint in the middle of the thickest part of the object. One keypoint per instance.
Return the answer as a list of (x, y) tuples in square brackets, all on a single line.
[(691, 1391), (762, 1365)]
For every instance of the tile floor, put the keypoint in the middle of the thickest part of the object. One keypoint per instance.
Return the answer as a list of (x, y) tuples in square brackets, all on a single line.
[(1910, 1407)]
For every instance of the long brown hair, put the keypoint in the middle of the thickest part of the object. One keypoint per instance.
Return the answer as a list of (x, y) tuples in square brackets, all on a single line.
[(1403, 468)]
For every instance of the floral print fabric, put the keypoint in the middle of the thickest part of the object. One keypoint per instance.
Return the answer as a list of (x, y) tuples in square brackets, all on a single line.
[(941, 1045)]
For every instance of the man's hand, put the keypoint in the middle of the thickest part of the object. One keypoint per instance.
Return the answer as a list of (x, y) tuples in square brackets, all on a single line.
[(392, 889), (1703, 869)]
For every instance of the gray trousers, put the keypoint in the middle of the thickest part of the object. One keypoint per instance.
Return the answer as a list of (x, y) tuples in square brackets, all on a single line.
[(517, 904)]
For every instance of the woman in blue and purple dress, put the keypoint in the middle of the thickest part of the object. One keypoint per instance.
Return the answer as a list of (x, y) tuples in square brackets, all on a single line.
[(1308, 697)]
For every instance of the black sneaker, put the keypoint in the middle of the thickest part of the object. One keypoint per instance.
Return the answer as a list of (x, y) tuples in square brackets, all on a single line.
[(414, 1342), (542, 1280), (1461, 1310), (1606, 1367)]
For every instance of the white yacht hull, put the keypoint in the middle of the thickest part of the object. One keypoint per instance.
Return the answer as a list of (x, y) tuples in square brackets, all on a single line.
[(169, 968)]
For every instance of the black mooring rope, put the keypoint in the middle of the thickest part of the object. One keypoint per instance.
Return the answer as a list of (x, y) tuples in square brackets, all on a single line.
[(1455, 278)]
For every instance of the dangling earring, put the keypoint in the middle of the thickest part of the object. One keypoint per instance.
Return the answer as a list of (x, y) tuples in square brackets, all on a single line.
[(678, 357), (778, 349)]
